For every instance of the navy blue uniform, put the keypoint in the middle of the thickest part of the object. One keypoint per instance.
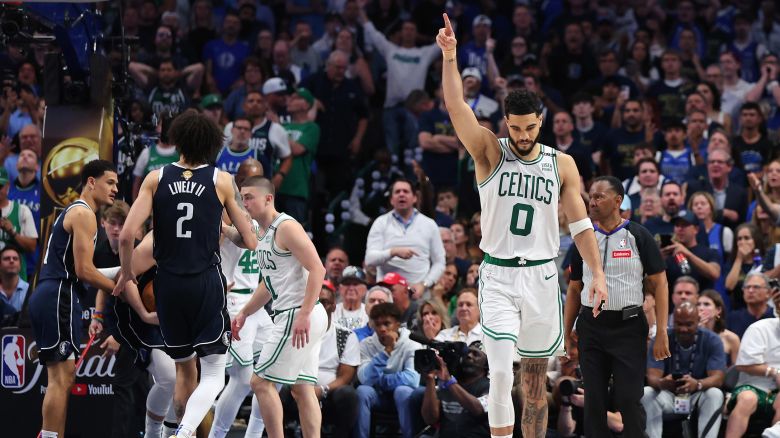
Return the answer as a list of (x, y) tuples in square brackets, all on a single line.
[(55, 310), (132, 331), (189, 287)]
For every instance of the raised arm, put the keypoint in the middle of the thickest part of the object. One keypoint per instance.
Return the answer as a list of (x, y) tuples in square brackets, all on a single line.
[(235, 210), (139, 212), (481, 144), (581, 228)]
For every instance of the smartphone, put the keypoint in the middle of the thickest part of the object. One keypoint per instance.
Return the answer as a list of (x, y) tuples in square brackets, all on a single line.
[(625, 92), (666, 240)]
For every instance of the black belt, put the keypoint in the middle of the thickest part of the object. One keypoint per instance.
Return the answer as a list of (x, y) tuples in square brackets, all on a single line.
[(623, 314)]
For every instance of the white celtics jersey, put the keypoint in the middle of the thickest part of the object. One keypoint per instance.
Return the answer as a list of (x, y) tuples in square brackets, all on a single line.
[(520, 206), (283, 274), (240, 266)]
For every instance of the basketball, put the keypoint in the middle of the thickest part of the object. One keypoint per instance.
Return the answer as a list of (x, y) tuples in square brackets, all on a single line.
[(147, 297)]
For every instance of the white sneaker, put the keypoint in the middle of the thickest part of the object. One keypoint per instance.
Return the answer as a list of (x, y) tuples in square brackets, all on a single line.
[(772, 432)]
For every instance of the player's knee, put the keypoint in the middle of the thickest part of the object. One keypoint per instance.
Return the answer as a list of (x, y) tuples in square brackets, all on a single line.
[(259, 384), (300, 391), (502, 378)]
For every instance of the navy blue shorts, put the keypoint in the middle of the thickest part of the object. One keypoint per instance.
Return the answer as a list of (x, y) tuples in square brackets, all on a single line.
[(55, 313), (193, 313), (135, 334)]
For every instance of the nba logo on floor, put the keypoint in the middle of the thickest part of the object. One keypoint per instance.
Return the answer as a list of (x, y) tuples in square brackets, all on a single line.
[(14, 350)]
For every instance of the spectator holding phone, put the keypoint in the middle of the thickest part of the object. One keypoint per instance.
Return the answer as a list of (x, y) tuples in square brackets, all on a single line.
[(690, 379)]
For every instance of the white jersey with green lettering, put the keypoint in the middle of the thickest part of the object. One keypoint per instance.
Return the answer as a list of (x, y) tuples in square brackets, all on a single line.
[(239, 265), (520, 206), (283, 274)]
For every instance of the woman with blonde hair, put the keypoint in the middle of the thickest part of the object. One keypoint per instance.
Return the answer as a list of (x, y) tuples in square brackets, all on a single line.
[(712, 315), (432, 318)]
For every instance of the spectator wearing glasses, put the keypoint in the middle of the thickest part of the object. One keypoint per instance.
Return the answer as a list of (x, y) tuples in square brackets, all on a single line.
[(731, 200), (756, 294), (375, 295), (350, 313), (237, 148)]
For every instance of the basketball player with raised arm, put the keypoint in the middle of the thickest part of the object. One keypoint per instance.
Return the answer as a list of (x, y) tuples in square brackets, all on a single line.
[(520, 183), (55, 310), (187, 198), (292, 276), (242, 271)]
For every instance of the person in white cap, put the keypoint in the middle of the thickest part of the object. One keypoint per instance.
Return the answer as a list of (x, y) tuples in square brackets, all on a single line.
[(482, 105)]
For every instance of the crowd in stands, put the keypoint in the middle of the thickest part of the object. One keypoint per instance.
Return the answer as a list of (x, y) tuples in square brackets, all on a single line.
[(339, 103)]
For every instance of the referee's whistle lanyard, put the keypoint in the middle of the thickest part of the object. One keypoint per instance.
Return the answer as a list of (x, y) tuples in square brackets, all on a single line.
[(677, 356)]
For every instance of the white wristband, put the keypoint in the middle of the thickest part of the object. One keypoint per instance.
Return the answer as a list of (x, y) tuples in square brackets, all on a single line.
[(110, 272), (580, 226)]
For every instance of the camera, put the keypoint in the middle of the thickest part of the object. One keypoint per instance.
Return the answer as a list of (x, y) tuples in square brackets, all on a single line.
[(774, 284), (569, 387), (452, 353)]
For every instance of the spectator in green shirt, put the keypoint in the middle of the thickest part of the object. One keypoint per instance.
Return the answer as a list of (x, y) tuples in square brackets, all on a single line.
[(293, 195)]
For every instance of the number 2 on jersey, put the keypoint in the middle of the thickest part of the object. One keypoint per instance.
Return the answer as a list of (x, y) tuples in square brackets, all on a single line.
[(529, 217), (189, 209)]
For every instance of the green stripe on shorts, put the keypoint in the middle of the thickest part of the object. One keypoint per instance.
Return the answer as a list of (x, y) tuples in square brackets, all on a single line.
[(278, 380), (556, 343), (285, 337)]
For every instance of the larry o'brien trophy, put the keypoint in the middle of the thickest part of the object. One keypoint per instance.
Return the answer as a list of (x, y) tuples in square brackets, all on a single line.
[(72, 136)]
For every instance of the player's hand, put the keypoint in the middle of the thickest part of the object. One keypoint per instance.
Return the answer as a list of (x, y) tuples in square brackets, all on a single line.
[(403, 252), (125, 275), (661, 346), (110, 345), (95, 327), (150, 318), (236, 324), (598, 294), (301, 330), (446, 37)]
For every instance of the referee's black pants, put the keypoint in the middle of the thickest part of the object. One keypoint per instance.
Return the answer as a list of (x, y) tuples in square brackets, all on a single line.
[(611, 347)]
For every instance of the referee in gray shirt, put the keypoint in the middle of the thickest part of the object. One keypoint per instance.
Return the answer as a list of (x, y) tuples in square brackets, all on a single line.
[(614, 345)]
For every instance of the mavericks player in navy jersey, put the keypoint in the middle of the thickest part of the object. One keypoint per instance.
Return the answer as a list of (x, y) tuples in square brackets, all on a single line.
[(187, 198), (55, 310)]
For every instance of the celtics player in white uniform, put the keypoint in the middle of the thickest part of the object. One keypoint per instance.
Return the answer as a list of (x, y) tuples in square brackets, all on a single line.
[(242, 274), (292, 275), (520, 183)]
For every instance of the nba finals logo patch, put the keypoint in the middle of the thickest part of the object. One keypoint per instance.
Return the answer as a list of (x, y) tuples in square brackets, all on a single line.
[(14, 350), (226, 338), (187, 174)]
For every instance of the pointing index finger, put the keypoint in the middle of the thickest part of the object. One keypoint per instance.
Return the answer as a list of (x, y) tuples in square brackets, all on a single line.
[(447, 25)]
